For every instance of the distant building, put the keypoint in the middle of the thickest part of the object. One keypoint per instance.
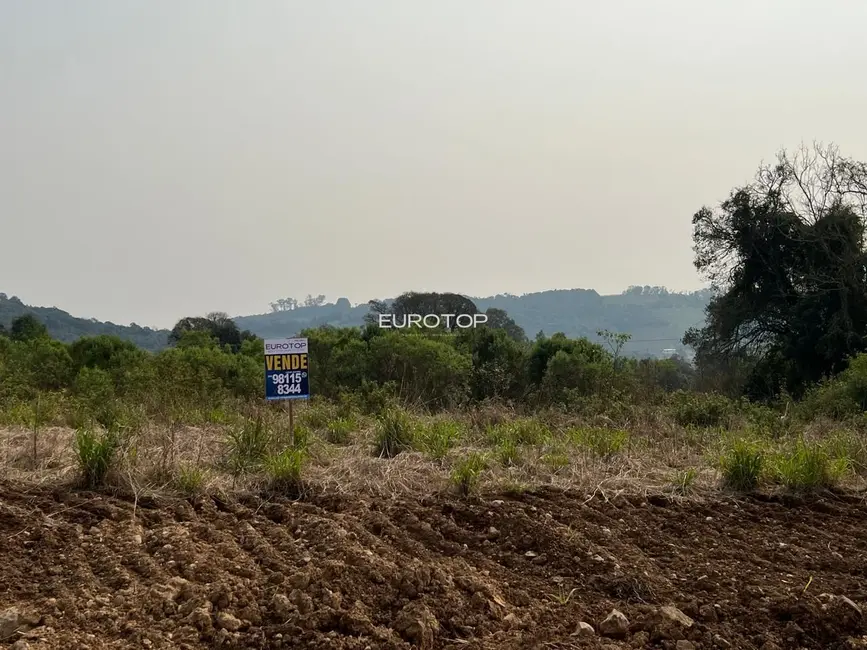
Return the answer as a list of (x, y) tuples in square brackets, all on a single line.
[(667, 353)]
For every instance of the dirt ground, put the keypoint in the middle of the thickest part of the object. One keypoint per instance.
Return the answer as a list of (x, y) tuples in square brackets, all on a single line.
[(520, 570)]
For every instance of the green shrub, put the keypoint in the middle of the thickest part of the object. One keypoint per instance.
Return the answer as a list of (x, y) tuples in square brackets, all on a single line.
[(701, 409), (839, 397)]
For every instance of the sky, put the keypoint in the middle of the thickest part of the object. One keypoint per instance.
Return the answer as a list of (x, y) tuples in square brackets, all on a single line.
[(167, 158)]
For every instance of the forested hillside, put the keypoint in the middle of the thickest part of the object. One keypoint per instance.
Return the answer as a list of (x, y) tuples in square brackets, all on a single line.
[(656, 319), (64, 327)]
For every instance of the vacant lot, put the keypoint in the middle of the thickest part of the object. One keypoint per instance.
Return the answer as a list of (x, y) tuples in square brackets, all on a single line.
[(502, 570)]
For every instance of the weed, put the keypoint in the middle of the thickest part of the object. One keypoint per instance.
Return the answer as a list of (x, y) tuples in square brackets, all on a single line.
[(284, 470), (96, 454), (466, 473), (395, 432), (337, 431), (683, 480), (700, 409), (742, 465), (317, 415), (556, 459), (508, 452), (562, 596), (525, 431), (807, 467), (438, 438), (602, 442), (248, 444), (190, 479)]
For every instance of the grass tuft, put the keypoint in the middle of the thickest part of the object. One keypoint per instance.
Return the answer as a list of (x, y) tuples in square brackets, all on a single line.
[(395, 432), (96, 454), (742, 465), (284, 470), (465, 474)]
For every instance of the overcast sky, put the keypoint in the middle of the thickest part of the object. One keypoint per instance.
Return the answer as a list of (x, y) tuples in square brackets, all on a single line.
[(164, 158)]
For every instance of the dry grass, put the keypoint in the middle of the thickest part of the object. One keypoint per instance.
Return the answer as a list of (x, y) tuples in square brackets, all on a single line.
[(655, 455)]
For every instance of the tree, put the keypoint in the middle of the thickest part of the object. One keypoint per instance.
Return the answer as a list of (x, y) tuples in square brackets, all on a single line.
[(284, 304), (27, 328), (785, 256), (499, 319), (423, 303), (318, 301), (615, 341), (217, 325)]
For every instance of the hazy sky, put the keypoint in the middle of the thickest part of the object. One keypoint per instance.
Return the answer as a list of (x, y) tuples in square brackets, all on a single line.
[(163, 158)]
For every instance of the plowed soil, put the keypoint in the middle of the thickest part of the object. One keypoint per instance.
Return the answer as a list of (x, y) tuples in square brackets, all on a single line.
[(84, 570)]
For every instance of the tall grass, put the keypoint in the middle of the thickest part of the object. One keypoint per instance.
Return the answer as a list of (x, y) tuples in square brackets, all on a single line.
[(395, 432), (96, 454), (742, 465)]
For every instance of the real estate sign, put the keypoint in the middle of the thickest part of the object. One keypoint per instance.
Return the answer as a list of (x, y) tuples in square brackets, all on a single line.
[(286, 369)]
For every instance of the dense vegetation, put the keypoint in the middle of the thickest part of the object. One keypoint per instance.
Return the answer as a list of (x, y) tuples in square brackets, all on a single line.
[(655, 317), (67, 328), (783, 349)]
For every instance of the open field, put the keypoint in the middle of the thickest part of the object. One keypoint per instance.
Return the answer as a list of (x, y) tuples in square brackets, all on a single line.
[(562, 524)]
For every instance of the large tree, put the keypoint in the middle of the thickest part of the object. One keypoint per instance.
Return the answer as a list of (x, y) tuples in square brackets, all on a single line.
[(217, 325), (423, 303), (785, 256)]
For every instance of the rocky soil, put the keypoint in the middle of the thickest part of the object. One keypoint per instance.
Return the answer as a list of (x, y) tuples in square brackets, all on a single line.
[(533, 570)]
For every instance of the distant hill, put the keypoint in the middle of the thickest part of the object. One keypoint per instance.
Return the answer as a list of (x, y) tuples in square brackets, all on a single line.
[(655, 317), (68, 328)]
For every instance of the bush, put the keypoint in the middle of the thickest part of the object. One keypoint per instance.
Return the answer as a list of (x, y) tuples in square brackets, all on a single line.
[(701, 409), (840, 397)]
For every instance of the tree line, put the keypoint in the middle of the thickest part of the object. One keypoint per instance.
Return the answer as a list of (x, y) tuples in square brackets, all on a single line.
[(787, 319)]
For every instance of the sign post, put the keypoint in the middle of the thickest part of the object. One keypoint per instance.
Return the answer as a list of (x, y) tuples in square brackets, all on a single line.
[(287, 374)]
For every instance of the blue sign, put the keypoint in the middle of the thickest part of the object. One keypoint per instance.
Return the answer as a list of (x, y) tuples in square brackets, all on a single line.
[(286, 369)]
